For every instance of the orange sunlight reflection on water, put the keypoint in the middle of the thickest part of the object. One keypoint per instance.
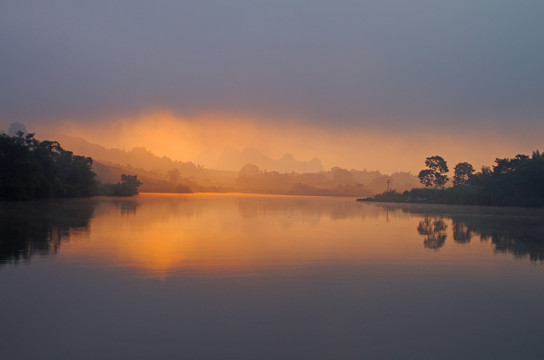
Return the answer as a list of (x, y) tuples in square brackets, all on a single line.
[(161, 235)]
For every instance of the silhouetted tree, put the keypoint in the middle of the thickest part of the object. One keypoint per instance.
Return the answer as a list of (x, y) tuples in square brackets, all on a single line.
[(462, 173), (516, 182), (510, 182), (506, 166), (30, 169), (434, 176), (128, 185)]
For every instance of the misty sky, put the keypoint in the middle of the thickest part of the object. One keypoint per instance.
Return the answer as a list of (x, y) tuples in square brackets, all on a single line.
[(382, 66)]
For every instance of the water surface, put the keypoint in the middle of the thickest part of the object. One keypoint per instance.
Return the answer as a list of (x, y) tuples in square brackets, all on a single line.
[(268, 277)]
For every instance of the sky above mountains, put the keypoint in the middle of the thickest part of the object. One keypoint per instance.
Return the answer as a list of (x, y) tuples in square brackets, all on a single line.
[(375, 84)]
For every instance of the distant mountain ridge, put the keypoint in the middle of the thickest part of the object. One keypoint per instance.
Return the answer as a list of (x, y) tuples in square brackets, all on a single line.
[(233, 159), (138, 157), (230, 160), (254, 172)]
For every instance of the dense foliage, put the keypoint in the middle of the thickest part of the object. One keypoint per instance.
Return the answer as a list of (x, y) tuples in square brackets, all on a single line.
[(517, 181), (510, 182), (435, 174), (128, 186), (31, 169), (463, 172)]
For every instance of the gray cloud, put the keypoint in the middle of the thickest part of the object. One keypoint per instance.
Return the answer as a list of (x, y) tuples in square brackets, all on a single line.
[(346, 63)]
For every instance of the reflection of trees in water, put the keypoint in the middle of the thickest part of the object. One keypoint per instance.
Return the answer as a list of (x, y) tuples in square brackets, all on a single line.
[(434, 230), (127, 207), (461, 232), (311, 209), (516, 231), (522, 238), (39, 227), (518, 235)]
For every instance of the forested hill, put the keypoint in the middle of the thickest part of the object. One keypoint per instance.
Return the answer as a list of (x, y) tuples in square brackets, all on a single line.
[(31, 169), (138, 157)]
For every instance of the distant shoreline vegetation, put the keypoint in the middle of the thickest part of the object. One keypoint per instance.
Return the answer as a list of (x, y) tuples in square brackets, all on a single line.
[(510, 182), (33, 169), (128, 186)]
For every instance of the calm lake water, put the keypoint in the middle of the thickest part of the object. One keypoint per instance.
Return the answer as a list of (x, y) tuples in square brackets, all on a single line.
[(268, 277)]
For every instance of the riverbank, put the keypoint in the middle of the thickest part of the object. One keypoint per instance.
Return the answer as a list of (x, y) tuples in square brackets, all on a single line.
[(462, 195)]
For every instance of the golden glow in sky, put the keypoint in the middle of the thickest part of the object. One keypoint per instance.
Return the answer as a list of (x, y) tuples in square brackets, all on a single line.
[(201, 139)]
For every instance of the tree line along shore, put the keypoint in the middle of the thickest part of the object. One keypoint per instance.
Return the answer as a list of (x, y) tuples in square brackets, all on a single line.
[(33, 169), (517, 181)]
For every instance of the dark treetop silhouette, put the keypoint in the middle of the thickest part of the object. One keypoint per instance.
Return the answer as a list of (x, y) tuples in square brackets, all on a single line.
[(31, 169), (510, 182), (37, 169)]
